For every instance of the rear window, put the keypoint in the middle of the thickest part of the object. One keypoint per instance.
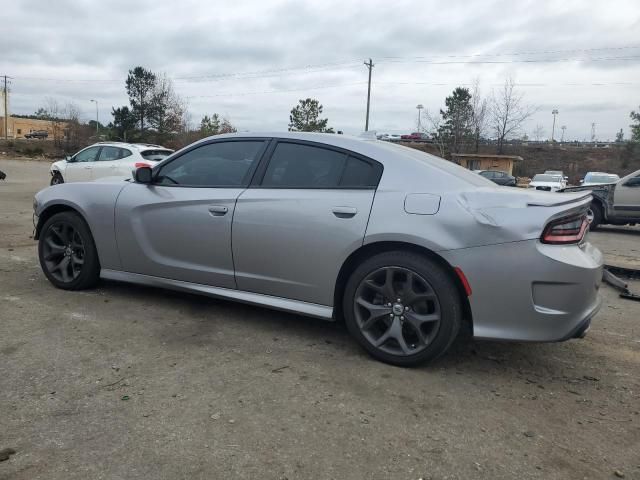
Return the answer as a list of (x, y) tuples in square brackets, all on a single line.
[(547, 178), (155, 155), (595, 178)]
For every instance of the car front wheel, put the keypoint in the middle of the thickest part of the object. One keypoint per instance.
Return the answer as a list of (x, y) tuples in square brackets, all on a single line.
[(402, 307), (56, 179), (67, 252)]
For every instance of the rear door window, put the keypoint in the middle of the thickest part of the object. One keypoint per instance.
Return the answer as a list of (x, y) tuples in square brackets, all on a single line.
[(108, 154), (294, 165)]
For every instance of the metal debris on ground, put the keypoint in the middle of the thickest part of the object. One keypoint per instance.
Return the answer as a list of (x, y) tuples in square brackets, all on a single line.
[(619, 284)]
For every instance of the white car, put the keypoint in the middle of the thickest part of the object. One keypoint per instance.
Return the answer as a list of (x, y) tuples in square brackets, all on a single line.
[(599, 178), (547, 182), (106, 159)]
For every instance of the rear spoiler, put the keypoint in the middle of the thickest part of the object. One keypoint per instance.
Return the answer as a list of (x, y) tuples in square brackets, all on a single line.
[(560, 199)]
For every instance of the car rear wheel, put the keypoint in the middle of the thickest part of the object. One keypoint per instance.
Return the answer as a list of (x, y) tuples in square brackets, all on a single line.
[(56, 179), (67, 252), (402, 307)]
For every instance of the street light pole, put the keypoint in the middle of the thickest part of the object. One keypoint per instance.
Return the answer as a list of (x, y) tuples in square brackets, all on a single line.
[(419, 107), (97, 122), (553, 129)]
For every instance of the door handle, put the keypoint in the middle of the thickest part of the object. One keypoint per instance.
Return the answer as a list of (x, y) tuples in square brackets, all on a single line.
[(88, 167), (344, 212), (218, 210)]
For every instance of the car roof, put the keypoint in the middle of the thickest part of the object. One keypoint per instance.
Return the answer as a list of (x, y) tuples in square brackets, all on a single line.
[(137, 146)]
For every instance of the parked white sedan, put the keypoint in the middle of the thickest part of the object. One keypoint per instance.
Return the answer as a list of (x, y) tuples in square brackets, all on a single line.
[(106, 159), (547, 182)]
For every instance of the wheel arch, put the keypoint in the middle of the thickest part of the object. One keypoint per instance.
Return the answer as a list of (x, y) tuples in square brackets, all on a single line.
[(368, 250), (595, 200), (50, 211)]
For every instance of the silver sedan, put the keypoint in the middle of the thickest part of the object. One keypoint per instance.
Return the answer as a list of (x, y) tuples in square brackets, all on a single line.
[(407, 248)]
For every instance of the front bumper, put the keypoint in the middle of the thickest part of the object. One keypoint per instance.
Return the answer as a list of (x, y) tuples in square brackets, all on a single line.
[(530, 291)]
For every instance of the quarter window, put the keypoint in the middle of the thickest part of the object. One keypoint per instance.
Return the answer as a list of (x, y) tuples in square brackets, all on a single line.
[(222, 164), (358, 174)]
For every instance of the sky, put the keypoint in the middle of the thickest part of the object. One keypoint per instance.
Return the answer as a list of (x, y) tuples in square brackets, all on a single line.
[(252, 60)]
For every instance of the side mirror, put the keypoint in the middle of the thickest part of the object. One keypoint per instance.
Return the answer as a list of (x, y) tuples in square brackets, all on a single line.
[(143, 175), (69, 158), (582, 181)]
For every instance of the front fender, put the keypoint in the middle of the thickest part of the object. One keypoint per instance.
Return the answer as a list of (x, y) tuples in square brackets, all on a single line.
[(95, 203)]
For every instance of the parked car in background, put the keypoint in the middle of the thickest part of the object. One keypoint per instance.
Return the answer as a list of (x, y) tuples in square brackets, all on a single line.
[(599, 178), (499, 177), (415, 136), (403, 245), (614, 203), (106, 159), (41, 134), (548, 182)]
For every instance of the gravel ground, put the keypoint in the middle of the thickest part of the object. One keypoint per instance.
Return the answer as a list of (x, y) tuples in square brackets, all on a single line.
[(125, 382)]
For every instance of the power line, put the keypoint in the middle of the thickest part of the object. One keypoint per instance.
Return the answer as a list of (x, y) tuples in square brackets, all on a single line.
[(546, 60), (242, 94), (537, 52)]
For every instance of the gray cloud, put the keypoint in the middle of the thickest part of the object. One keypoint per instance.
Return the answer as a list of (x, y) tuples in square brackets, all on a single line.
[(72, 40)]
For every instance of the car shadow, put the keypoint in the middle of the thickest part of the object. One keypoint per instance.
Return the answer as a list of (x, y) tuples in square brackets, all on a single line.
[(202, 317)]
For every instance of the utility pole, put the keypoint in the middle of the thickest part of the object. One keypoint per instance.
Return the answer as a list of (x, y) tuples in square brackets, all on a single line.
[(370, 67), (553, 129), (6, 111), (563, 127), (419, 107), (96, 115), (593, 132)]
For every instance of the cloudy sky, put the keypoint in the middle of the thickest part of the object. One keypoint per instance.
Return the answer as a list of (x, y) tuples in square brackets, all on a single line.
[(252, 60)]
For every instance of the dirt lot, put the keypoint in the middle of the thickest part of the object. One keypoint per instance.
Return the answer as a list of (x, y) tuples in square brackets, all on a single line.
[(129, 382)]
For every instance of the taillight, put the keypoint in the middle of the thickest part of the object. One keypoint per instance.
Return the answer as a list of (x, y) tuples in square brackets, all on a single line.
[(142, 164), (565, 230)]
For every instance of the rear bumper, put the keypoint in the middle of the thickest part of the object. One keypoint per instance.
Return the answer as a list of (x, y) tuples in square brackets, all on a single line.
[(529, 291)]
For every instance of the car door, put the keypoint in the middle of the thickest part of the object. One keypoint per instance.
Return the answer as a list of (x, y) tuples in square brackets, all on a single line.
[(179, 226), (306, 211), (80, 166), (626, 197), (106, 164)]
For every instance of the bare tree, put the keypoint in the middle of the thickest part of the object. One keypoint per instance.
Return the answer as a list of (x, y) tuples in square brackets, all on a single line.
[(433, 126), (507, 113), (538, 132), (479, 113), (53, 113)]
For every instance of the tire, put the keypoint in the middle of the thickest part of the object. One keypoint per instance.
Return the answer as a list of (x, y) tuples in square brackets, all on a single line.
[(595, 212), (404, 333), (67, 252), (56, 179)]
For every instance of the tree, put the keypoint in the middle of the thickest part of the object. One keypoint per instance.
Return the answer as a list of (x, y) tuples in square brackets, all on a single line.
[(210, 125), (305, 117), (141, 86), (635, 127), (227, 127), (457, 126), (538, 132), (508, 113), (166, 108), (124, 122), (479, 114), (433, 125), (620, 136)]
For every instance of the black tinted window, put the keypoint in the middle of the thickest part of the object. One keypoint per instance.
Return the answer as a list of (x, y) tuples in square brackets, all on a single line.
[(214, 165), (155, 155), (303, 166), (359, 173)]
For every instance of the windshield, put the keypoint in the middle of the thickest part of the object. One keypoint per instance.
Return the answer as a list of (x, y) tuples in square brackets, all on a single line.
[(546, 178), (600, 178), (155, 155)]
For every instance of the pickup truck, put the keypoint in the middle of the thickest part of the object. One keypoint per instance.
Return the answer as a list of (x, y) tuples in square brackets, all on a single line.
[(37, 134), (614, 203)]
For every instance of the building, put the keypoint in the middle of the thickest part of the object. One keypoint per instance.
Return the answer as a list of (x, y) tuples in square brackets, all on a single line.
[(481, 161), (18, 127)]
